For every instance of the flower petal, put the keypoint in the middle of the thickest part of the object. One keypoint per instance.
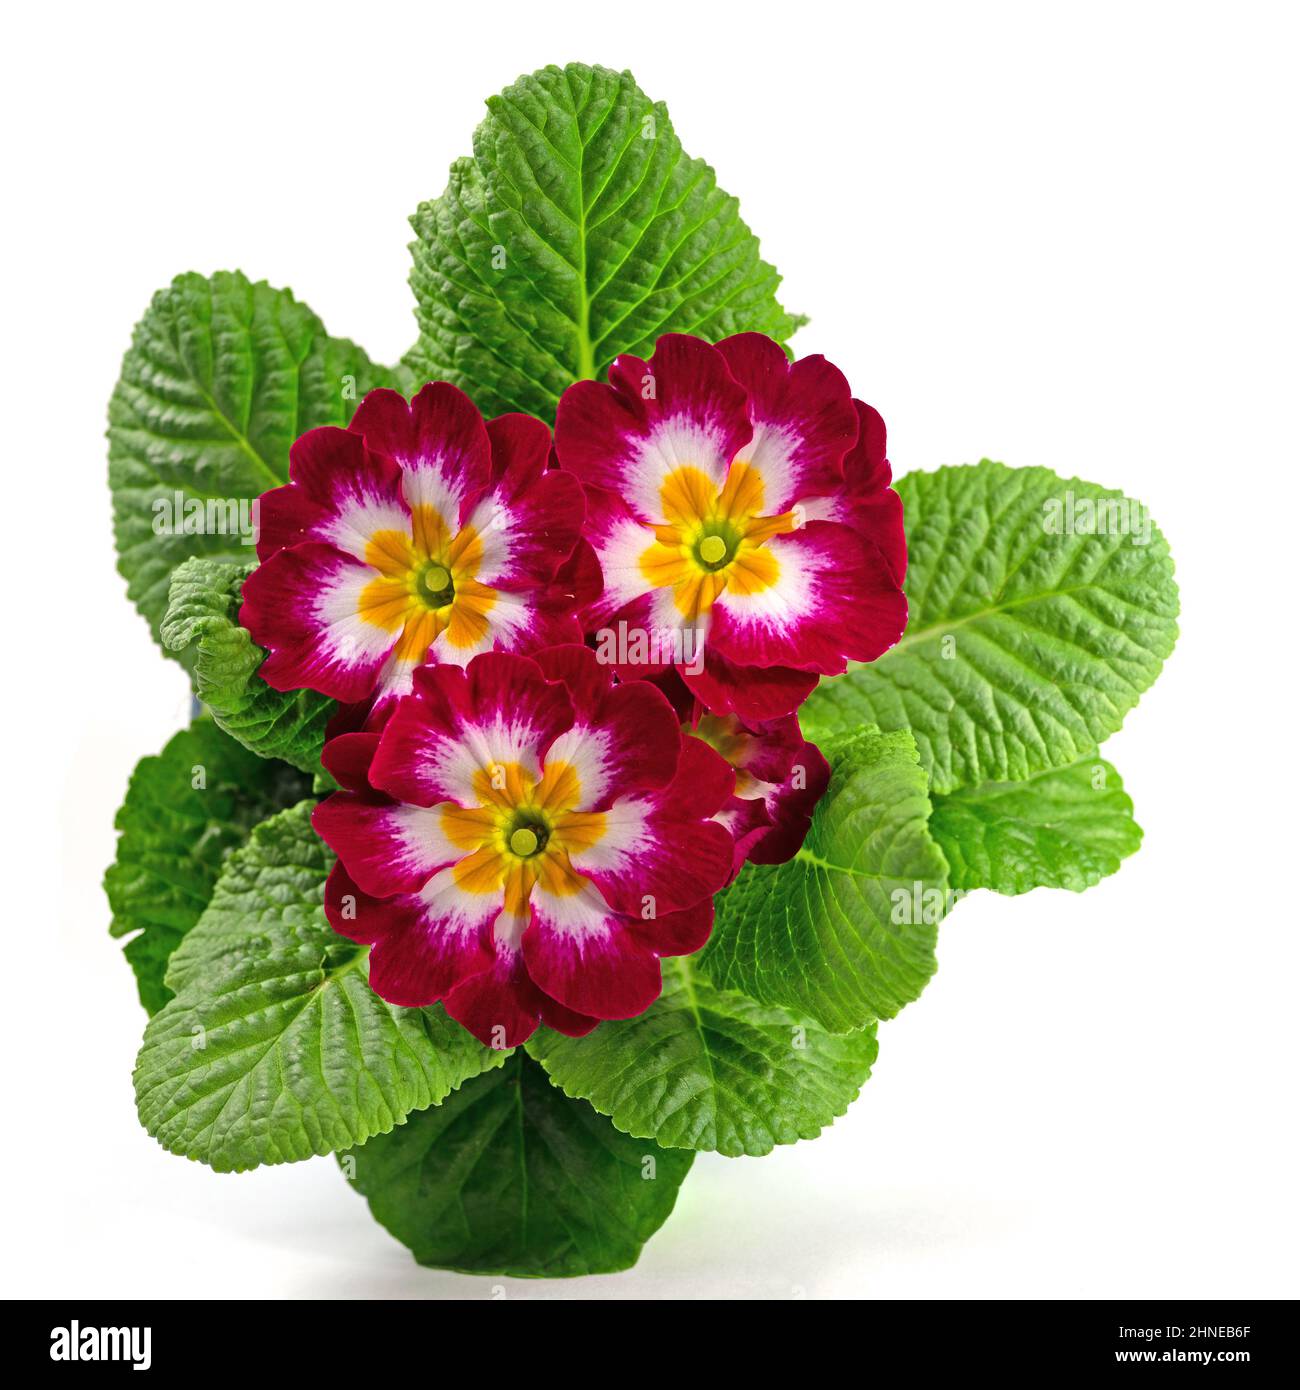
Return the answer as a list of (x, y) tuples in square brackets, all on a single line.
[(564, 1020), (803, 417), (462, 730), (502, 1007), (576, 667), (677, 933), (657, 424), (578, 581), (528, 520), (440, 443), (748, 820), (388, 847), (347, 758), (618, 541), (648, 636), (286, 516), (624, 739), (582, 954), (832, 598), (342, 495), (305, 606), (762, 752), (755, 693), (655, 855), (422, 945), (790, 807), (867, 502)]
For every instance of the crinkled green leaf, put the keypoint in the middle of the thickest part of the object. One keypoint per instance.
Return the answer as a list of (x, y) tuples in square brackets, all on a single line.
[(147, 953), (1067, 828), (510, 1176), (578, 231), (275, 1047), (710, 1069), (845, 932), (203, 616), (221, 377), (185, 810), (1024, 647)]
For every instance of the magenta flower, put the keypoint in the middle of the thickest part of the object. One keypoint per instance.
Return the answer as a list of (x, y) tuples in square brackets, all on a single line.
[(740, 508), (524, 840), (780, 776), (417, 534)]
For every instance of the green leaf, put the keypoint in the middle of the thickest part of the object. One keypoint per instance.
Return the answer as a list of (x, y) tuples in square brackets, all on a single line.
[(578, 231), (221, 377), (176, 836), (275, 1048), (1067, 828), (710, 1069), (509, 1176), (203, 613), (147, 954), (1025, 647), (845, 932)]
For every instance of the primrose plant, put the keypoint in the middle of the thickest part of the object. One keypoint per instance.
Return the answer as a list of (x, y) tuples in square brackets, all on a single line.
[(593, 733)]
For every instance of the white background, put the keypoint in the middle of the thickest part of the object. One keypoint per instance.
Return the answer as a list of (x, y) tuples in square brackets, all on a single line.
[(1047, 234)]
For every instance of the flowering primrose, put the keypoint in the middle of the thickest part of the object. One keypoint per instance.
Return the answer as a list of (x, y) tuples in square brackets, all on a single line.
[(417, 534), (741, 512), (524, 840), (780, 776)]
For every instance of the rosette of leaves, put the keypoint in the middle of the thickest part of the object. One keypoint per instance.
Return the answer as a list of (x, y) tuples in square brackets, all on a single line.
[(965, 758)]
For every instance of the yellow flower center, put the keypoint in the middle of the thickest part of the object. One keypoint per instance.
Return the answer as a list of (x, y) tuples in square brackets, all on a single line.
[(713, 549), (437, 578), (710, 540), (427, 585), (522, 833), (524, 842)]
